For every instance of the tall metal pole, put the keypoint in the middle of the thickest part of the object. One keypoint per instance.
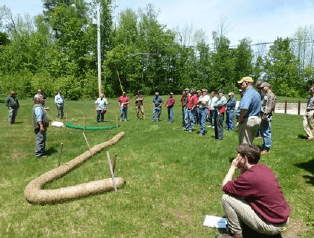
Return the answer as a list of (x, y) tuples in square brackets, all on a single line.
[(98, 48)]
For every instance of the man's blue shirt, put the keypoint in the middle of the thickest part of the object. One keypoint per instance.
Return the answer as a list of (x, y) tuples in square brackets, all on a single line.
[(251, 101), (157, 101)]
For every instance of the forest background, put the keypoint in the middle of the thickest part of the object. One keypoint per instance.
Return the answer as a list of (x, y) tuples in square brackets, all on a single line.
[(58, 50)]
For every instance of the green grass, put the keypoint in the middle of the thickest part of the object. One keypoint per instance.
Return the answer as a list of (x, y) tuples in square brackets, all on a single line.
[(173, 177)]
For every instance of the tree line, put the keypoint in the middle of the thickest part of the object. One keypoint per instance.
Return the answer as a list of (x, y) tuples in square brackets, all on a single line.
[(58, 50)]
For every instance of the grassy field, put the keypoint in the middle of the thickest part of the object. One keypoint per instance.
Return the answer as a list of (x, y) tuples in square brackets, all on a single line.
[(173, 177)]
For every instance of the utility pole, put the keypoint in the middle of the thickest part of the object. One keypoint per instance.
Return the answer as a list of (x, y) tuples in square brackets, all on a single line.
[(98, 48)]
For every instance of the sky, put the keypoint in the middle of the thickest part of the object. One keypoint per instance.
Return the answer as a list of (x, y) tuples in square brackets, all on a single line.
[(261, 20)]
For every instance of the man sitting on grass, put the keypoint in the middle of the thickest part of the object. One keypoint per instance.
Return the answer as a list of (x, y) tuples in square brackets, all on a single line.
[(254, 197)]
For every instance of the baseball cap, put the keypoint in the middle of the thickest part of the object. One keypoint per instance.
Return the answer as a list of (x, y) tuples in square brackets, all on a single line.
[(265, 84)]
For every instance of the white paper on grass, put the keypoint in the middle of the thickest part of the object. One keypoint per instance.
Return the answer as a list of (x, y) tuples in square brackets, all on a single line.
[(217, 222)]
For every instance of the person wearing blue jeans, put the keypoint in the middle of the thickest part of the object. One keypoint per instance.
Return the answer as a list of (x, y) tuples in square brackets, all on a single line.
[(184, 103), (190, 119), (268, 106), (157, 102), (230, 112), (170, 102), (203, 111), (124, 100)]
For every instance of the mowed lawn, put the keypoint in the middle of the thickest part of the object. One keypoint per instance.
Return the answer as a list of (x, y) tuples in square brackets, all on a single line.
[(172, 177)]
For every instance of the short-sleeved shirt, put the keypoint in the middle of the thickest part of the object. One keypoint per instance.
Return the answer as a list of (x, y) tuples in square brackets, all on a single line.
[(204, 99), (261, 190), (251, 101), (139, 102), (124, 100), (192, 101), (157, 101), (101, 104)]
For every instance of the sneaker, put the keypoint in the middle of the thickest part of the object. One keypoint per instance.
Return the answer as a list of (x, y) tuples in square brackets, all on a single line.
[(42, 156), (310, 139), (264, 152), (209, 126), (190, 131), (200, 135)]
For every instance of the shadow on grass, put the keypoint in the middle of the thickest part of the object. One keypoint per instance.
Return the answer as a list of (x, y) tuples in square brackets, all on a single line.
[(18, 122), (51, 151), (302, 137), (247, 232), (308, 166)]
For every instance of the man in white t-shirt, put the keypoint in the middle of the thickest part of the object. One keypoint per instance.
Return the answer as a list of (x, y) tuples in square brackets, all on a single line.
[(203, 105), (101, 108), (212, 114)]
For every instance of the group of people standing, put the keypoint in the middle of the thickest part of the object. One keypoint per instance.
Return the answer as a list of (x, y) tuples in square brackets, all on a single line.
[(197, 109)]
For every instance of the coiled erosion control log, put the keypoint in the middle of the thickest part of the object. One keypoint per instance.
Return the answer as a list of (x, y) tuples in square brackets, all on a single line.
[(36, 195)]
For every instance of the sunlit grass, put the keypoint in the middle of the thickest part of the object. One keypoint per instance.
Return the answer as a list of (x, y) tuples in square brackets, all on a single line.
[(173, 177)]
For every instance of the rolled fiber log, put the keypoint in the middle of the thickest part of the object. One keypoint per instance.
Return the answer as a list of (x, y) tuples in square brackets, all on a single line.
[(35, 194)]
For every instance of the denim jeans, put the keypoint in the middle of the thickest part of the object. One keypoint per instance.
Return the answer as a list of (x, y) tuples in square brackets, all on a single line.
[(266, 133), (123, 113), (170, 114), (197, 116), (190, 120), (230, 120), (212, 116), (156, 114), (203, 116)]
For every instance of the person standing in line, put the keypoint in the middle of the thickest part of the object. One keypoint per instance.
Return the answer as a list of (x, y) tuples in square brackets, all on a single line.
[(190, 119), (250, 108), (212, 114), (139, 101), (231, 103), (254, 197), (262, 94), (308, 118), (268, 107), (40, 125), (124, 100), (220, 107), (197, 110), (101, 108), (203, 110), (12, 102), (184, 103), (157, 103), (169, 104), (59, 101)]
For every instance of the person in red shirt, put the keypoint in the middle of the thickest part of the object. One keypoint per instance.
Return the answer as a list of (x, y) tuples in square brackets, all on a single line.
[(190, 119), (124, 100), (254, 197), (170, 102)]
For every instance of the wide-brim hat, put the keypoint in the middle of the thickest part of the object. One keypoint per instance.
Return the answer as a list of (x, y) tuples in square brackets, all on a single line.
[(246, 79)]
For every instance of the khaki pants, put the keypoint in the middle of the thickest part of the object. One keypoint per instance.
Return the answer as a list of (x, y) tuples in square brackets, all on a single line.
[(237, 210), (248, 129), (308, 123)]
